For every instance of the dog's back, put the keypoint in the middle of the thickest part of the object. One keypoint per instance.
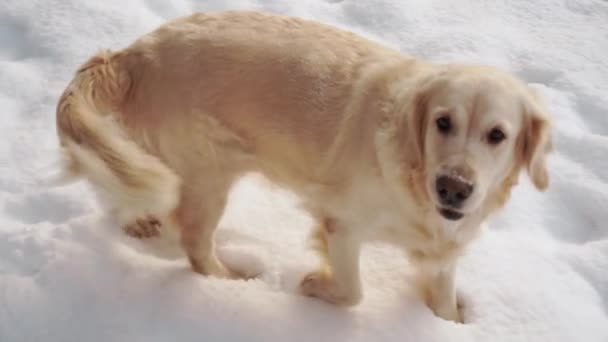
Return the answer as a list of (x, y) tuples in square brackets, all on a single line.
[(265, 84)]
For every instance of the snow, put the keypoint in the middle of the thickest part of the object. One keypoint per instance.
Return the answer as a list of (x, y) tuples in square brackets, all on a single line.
[(538, 273)]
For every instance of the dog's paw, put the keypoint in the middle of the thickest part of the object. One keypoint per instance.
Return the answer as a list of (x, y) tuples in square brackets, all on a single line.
[(211, 266), (449, 312), (452, 314), (321, 285), (143, 228)]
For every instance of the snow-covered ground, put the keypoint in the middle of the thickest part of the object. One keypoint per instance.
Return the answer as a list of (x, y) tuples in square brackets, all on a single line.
[(539, 273)]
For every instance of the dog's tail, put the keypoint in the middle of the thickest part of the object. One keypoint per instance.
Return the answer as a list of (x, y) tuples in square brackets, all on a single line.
[(131, 181)]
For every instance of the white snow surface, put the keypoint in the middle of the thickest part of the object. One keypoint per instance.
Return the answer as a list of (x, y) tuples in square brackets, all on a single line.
[(538, 273)]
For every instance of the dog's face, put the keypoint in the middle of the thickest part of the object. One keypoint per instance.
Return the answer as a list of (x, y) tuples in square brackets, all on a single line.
[(474, 129)]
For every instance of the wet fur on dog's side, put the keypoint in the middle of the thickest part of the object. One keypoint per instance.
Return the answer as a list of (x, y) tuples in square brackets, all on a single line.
[(379, 145)]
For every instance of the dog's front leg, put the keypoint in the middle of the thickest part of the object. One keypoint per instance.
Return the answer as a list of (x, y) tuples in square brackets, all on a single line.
[(440, 291), (337, 281)]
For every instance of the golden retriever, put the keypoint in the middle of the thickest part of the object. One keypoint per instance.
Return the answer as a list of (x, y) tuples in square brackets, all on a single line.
[(378, 145)]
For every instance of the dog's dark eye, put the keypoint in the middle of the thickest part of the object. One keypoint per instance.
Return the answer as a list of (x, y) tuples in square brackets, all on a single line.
[(496, 136), (444, 124)]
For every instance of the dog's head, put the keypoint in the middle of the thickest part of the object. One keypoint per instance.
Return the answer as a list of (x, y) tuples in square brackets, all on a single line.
[(470, 131)]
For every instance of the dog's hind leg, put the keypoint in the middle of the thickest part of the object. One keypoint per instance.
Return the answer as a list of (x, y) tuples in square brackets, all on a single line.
[(199, 212)]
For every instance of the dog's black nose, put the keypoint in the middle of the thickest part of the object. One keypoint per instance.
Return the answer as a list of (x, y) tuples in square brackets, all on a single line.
[(453, 190)]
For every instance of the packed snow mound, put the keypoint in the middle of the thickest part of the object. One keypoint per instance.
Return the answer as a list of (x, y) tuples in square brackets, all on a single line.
[(538, 273)]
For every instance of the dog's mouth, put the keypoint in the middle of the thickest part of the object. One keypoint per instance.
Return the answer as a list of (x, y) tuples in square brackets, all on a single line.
[(450, 214)]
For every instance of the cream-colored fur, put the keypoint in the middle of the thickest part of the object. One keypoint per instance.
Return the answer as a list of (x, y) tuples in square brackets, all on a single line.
[(164, 127)]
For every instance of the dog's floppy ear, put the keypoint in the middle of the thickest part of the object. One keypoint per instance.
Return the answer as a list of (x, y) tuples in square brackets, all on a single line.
[(537, 142), (416, 121)]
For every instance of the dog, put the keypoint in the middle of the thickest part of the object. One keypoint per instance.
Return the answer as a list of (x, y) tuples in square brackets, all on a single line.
[(380, 146)]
